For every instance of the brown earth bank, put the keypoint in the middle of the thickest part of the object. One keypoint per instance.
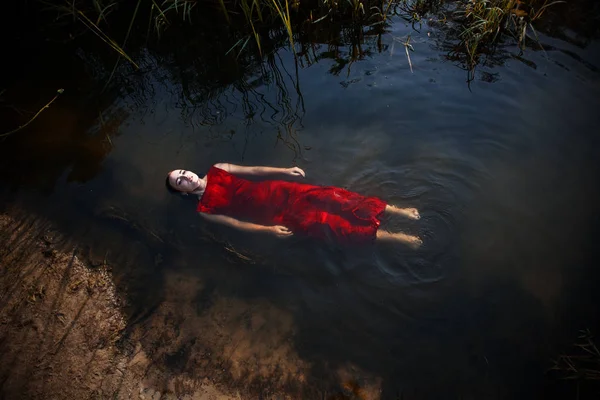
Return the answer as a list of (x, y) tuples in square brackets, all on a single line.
[(65, 334)]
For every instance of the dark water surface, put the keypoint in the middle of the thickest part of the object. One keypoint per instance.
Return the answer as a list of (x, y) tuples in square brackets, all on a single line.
[(504, 172)]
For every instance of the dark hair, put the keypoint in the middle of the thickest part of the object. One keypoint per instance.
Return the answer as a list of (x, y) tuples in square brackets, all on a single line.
[(170, 188)]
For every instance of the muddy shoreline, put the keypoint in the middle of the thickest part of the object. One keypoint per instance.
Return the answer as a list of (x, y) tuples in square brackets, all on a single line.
[(62, 328), (64, 333)]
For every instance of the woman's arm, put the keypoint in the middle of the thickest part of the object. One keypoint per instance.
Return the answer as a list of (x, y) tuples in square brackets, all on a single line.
[(260, 171), (277, 230)]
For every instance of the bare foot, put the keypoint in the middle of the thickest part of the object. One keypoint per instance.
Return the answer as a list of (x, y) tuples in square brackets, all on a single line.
[(414, 242), (411, 213)]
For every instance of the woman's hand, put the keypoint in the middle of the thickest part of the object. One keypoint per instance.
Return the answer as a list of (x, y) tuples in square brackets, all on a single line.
[(295, 171), (280, 231)]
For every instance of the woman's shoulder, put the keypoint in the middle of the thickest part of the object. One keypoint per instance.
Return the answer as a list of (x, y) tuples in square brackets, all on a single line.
[(221, 166)]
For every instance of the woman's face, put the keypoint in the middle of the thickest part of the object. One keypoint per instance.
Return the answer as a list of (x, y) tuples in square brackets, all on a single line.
[(184, 181)]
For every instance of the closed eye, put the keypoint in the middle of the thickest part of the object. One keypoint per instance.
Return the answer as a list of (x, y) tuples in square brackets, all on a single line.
[(178, 181)]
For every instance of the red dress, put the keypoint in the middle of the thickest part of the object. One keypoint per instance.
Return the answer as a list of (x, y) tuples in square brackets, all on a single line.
[(316, 211)]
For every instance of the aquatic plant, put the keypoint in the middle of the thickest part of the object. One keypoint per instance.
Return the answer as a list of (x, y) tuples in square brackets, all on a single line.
[(483, 21), (478, 24)]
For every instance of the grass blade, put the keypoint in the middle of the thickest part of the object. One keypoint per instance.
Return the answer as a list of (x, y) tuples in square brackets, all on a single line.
[(98, 32), (58, 93), (137, 7)]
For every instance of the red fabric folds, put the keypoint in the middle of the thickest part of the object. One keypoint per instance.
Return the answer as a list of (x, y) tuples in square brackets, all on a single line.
[(317, 211)]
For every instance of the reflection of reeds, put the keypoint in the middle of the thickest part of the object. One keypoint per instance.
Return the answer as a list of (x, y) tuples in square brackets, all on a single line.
[(266, 92)]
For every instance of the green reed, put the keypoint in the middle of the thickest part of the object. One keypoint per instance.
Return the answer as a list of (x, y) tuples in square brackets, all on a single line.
[(102, 9), (296, 14), (480, 23), (484, 21)]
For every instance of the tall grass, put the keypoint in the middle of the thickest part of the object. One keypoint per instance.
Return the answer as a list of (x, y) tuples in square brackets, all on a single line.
[(482, 22), (70, 9), (296, 14), (485, 20)]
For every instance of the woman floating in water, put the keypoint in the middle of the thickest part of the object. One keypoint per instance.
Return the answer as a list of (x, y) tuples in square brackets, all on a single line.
[(283, 208)]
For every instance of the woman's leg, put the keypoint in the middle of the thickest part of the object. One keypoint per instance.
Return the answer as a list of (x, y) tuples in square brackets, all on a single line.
[(409, 240), (411, 213)]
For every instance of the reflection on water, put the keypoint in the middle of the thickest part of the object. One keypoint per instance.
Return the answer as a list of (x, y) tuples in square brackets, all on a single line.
[(503, 172)]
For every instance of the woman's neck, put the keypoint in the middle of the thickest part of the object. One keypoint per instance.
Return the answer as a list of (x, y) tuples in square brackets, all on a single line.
[(199, 191)]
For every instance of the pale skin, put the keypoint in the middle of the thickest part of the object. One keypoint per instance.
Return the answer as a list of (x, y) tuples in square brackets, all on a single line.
[(188, 183)]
